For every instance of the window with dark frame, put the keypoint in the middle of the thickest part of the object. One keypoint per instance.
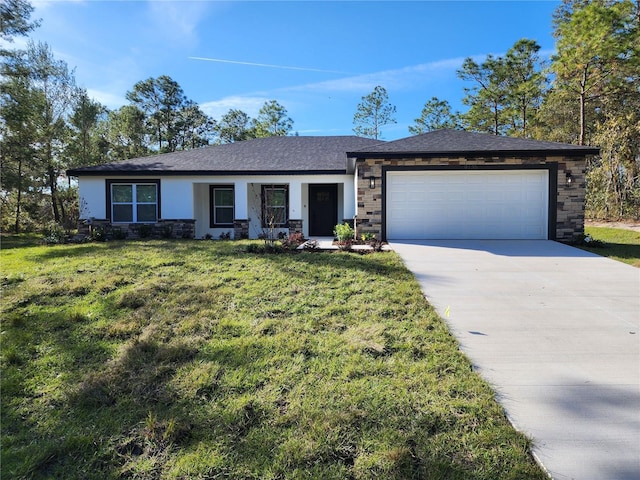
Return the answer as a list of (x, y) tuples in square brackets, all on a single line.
[(134, 202), (275, 205), (222, 211)]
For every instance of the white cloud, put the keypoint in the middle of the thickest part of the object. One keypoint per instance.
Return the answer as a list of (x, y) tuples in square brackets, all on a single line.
[(109, 99), (248, 104), (177, 21), (397, 79)]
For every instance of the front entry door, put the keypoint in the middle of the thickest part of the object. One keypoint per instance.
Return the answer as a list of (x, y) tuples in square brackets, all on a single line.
[(323, 210)]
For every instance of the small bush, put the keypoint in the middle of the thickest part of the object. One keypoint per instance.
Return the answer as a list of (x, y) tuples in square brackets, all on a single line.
[(145, 230), (118, 233), (255, 248), (225, 236), (166, 231), (367, 237), (98, 234), (293, 241), (345, 245), (53, 234), (344, 232), (588, 241)]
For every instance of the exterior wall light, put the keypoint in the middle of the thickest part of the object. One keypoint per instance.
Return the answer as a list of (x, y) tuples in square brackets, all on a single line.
[(569, 178), (372, 182)]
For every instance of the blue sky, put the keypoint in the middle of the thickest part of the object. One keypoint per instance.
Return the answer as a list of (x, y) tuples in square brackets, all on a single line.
[(338, 51)]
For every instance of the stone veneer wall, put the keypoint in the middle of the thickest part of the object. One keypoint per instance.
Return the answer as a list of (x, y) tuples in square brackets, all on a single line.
[(295, 226), (570, 198), (240, 229), (161, 229)]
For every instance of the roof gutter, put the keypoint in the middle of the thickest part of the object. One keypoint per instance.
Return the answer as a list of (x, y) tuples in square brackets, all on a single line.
[(199, 173), (476, 153)]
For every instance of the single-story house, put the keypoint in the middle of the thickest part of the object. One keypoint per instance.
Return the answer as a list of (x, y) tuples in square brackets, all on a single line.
[(445, 184)]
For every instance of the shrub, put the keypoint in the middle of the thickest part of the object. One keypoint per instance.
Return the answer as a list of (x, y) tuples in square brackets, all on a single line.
[(225, 236), (588, 241), (53, 234), (99, 234), (255, 248), (167, 231), (145, 230), (293, 241), (367, 237), (344, 232), (118, 233)]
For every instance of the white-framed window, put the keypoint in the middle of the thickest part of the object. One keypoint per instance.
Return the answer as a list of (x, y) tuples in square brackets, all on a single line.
[(275, 205), (222, 205), (134, 202)]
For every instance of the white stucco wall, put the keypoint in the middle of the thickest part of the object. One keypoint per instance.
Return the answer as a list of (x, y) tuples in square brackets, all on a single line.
[(93, 197), (177, 198), (188, 198)]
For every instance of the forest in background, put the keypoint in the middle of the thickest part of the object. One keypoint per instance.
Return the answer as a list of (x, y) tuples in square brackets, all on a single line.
[(588, 93)]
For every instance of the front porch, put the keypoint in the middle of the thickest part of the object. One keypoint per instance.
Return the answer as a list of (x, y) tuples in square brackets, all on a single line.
[(270, 206)]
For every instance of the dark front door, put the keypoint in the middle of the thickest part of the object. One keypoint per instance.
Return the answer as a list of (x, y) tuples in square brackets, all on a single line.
[(323, 209)]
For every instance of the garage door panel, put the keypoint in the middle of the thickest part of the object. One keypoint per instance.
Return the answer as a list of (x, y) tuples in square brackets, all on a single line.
[(496, 204)]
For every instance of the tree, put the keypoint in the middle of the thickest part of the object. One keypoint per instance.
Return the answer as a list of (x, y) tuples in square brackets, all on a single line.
[(234, 126), (272, 121), (87, 145), (436, 115), (506, 92), (487, 99), (372, 113), (194, 128), (14, 20), (597, 47), (19, 105), (595, 99), (51, 80), (525, 85), (161, 99), (125, 131)]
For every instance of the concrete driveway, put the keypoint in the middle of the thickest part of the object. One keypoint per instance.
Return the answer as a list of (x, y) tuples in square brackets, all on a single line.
[(556, 331)]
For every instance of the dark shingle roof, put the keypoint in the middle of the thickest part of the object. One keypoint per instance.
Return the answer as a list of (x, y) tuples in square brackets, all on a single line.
[(450, 142), (258, 156)]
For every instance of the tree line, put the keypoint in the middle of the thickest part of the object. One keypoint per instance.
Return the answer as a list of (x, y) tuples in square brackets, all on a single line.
[(48, 124), (588, 94)]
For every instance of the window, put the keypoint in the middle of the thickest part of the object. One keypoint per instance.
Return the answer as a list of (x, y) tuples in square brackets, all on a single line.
[(222, 205), (275, 200), (133, 202)]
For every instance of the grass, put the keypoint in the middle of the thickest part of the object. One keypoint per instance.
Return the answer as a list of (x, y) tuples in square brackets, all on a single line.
[(195, 359), (619, 244)]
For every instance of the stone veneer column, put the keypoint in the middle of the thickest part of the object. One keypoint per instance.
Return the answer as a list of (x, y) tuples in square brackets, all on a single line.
[(369, 208), (295, 226), (571, 199), (240, 229)]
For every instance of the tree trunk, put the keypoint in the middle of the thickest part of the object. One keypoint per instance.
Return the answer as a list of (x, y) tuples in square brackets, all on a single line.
[(54, 192), (19, 200), (583, 99)]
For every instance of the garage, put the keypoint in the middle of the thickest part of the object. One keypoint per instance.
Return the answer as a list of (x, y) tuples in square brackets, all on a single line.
[(467, 204)]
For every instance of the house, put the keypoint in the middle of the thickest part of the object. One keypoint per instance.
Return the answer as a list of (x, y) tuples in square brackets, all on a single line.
[(444, 184)]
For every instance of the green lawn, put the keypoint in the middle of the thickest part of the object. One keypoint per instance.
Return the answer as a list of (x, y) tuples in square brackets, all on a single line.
[(195, 359), (619, 244)]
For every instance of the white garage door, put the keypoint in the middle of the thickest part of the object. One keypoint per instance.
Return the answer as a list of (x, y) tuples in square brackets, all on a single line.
[(476, 204)]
